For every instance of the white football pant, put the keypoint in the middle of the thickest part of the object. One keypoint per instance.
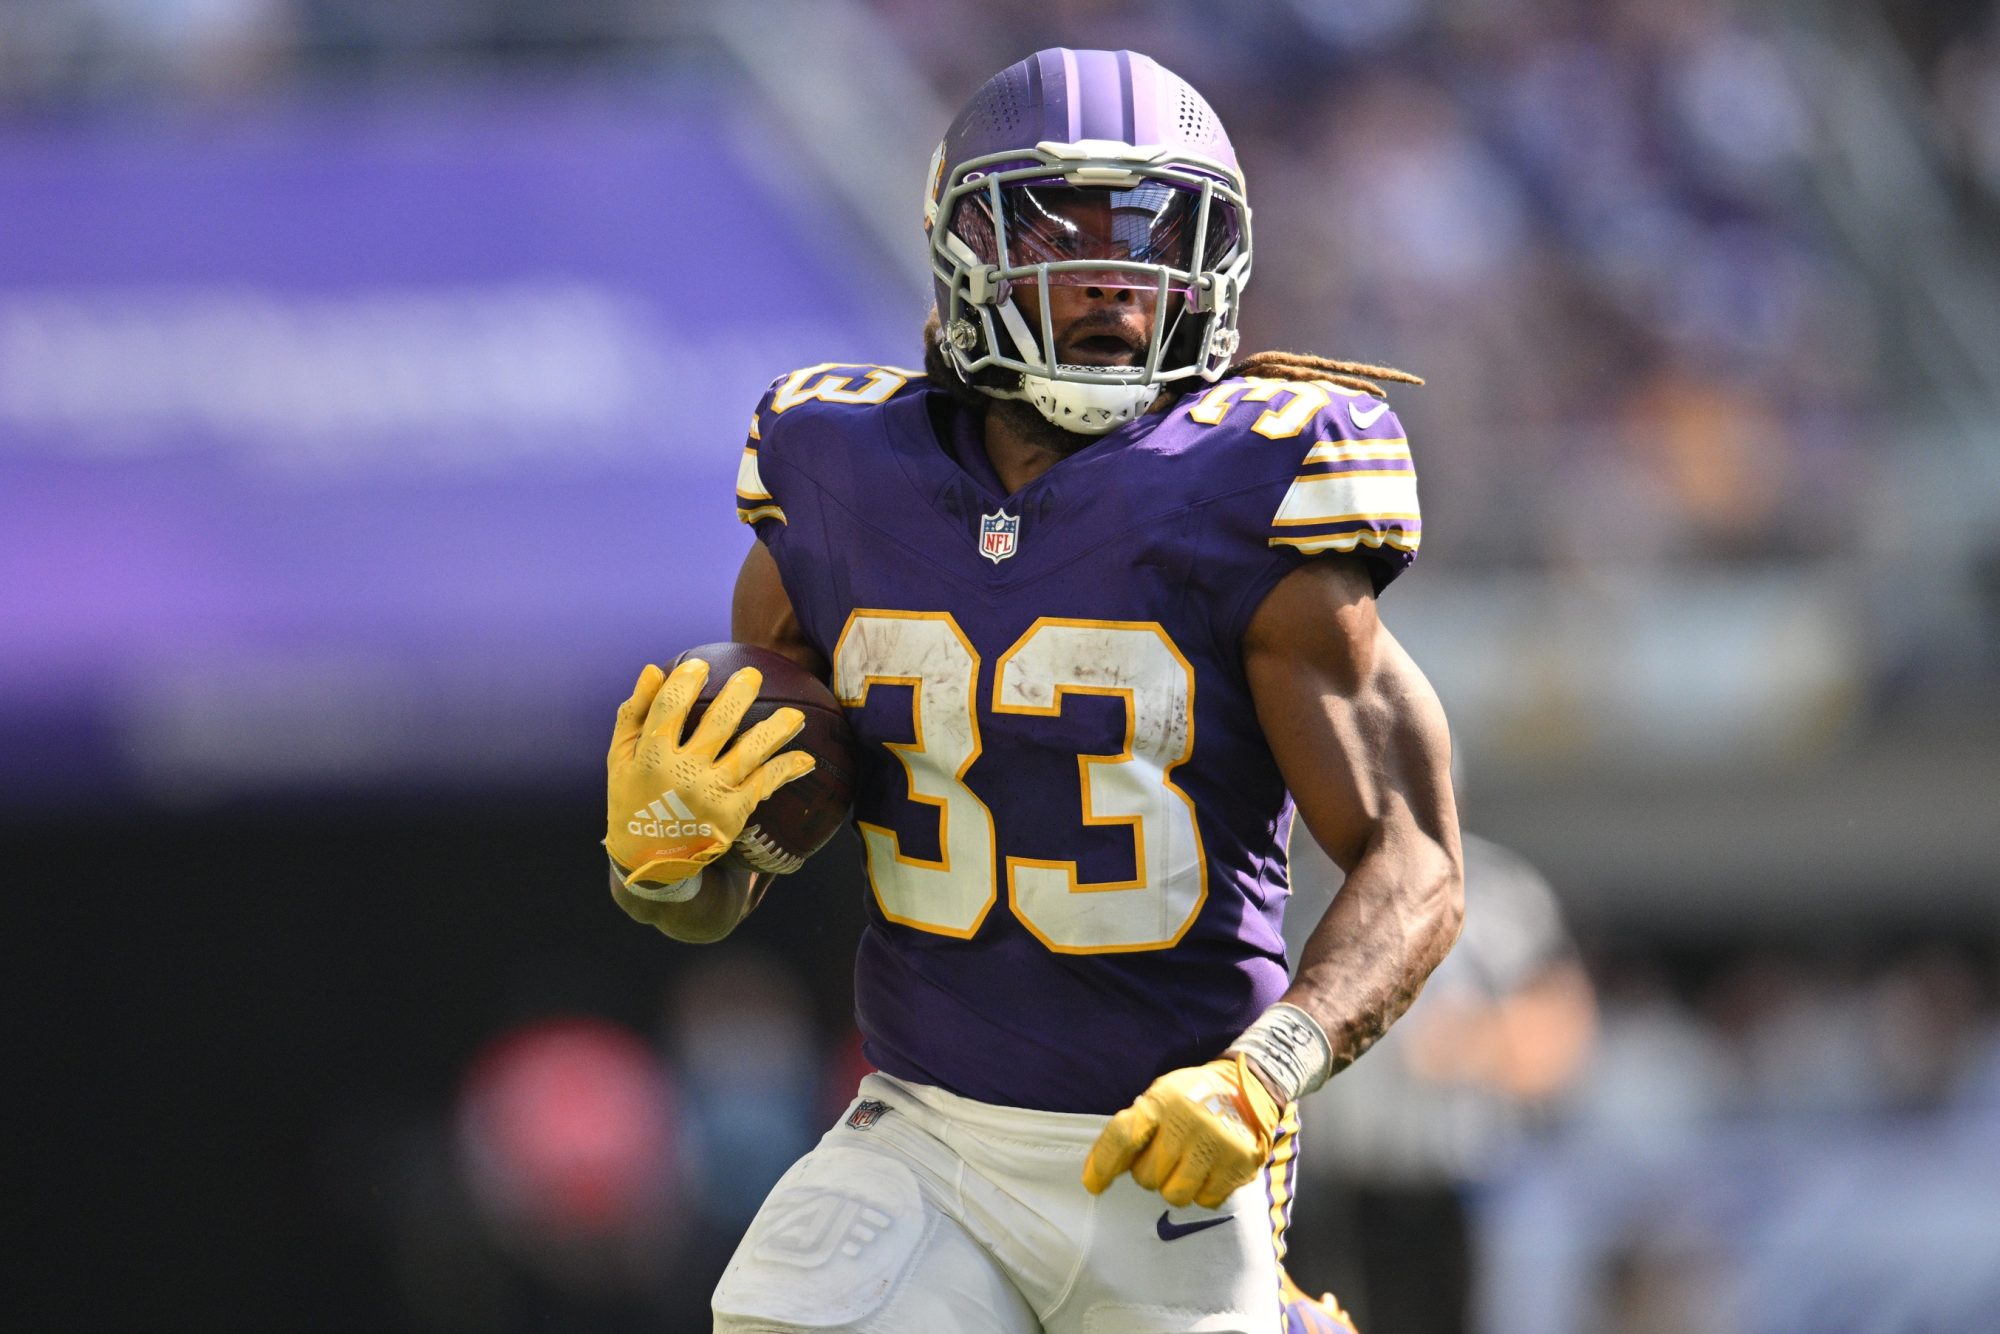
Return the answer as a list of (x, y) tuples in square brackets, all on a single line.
[(922, 1212)]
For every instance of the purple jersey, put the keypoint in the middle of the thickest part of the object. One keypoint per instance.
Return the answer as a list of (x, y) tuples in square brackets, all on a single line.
[(1075, 833)]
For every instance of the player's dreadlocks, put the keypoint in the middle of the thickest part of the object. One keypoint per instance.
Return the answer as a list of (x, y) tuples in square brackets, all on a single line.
[(1355, 375)]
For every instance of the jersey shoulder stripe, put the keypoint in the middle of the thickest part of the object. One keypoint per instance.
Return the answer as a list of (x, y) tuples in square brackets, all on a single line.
[(754, 501), (1357, 484), (1354, 485)]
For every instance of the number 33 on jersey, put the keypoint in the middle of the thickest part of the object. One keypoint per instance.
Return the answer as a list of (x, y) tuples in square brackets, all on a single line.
[(1132, 788), (1066, 798)]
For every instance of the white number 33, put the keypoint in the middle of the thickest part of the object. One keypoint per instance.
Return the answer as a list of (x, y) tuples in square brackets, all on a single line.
[(1133, 787)]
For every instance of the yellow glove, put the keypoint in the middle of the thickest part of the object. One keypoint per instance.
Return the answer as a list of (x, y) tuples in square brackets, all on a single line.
[(1194, 1136), (672, 807)]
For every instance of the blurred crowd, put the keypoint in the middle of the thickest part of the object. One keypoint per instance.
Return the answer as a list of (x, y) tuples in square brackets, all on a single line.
[(1581, 1136), (1781, 1140), (1594, 228), (593, 1178), (1557, 1139), (1598, 229)]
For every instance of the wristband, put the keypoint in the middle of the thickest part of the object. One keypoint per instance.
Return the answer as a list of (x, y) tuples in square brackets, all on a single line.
[(1289, 1049), (680, 891)]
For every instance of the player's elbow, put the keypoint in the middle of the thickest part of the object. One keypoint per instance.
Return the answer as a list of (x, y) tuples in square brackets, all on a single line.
[(1442, 895)]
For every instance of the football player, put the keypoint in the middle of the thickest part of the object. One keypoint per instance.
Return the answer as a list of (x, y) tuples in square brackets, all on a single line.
[(1100, 601)]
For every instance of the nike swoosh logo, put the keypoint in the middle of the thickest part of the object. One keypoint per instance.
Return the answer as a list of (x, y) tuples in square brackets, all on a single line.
[(1172, 1231), (1365, 417)]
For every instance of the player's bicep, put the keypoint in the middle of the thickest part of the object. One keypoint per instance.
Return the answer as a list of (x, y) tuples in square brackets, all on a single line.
[(1355, 727), (761, 613)]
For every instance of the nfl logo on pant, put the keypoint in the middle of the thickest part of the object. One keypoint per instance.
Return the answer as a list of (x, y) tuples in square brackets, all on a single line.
[(999, 533), (866, 1113)]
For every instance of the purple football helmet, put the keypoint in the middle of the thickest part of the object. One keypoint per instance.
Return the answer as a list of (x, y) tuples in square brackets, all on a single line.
[(1087, 168)]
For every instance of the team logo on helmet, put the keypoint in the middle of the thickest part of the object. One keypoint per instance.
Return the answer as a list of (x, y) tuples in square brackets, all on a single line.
[(936, 177), (999, 535)]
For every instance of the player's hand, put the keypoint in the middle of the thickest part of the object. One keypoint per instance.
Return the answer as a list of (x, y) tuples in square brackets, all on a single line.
[(672, 806), (1195, 1135)]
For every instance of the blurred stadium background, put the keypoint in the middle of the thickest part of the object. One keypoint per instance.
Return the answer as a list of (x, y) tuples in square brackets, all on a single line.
[(372, 377)]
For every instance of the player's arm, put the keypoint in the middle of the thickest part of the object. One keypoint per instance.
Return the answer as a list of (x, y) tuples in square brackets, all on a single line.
[(761, 614), (1361, 740)]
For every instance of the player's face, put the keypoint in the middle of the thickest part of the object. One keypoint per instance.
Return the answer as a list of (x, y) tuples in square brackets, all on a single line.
[(1100, 317), (1095, 324)]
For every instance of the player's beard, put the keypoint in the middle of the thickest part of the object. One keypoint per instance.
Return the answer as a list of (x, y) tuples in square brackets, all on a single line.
[(1027, 422), (1018, 413)]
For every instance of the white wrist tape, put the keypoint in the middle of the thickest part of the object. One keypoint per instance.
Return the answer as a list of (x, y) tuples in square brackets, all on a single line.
[(680, 891), (1289, 1049)]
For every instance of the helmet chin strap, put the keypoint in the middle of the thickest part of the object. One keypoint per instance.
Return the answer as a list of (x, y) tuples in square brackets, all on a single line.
[(1087, 409)]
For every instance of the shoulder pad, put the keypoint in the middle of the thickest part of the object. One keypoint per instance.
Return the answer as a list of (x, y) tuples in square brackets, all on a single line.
[(840, 384)]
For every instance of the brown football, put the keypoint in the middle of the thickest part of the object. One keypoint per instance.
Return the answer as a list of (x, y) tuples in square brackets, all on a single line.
[(797, 819)]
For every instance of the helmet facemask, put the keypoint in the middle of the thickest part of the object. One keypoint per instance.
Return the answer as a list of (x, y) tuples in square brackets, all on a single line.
[(1172, 228)]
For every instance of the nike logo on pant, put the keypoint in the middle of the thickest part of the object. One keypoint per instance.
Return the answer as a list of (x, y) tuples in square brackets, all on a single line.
[(1172, 1231)]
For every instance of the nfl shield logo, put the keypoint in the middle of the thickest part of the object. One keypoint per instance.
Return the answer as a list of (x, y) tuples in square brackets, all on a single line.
[(999, 534), (866, 1113)]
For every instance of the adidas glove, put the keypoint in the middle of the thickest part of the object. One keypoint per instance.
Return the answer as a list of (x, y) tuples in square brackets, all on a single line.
[(672, 806), (1194, 1136)]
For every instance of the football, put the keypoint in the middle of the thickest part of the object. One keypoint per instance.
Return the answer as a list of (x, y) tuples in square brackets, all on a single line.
[(802, 815)]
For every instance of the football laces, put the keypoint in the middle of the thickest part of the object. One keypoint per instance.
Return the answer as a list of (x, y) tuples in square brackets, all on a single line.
[(757, 849)]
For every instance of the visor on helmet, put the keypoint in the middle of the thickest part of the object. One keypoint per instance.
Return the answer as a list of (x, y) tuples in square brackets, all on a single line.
[(1175, 230), (1097, 236)]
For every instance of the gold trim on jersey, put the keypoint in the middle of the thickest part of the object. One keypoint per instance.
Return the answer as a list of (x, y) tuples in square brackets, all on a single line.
[(1399, 538), (1356, 451), (1405, 471)]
